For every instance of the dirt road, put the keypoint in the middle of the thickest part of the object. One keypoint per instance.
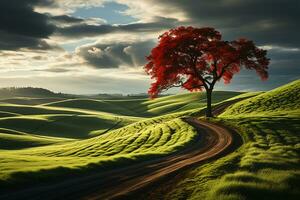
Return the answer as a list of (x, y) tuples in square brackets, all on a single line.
[(214, 141)]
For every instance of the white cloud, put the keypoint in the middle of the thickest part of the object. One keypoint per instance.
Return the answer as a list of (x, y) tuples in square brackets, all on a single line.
[(147, 10), (280, 48), (116, 54), (97, 52), (93, 81)]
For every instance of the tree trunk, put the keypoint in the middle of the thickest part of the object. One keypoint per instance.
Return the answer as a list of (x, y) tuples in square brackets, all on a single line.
[(208, 108)]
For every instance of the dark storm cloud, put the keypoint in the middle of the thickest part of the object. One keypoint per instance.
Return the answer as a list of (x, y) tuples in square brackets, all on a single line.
[(22, 27), (273, 22), (113, 55), (11, 41), (284, 54), (66, 19), (285, 62), (86, 30)]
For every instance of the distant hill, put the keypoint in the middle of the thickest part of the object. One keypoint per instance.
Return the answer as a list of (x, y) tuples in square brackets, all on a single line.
[(33, 92), (143, 107), (123, 96), (26, 92), (11, 92), (281, 101)]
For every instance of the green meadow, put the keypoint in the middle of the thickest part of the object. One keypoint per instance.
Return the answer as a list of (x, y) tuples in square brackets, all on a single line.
[(68, 135), (266, 166), (49, 138)]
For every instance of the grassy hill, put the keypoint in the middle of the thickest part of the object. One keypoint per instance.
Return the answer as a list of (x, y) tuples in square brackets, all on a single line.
[(30, 100), (144, 107), (141, 140), (59, 122), (266, 166), (12, 139), (95, 105), (282, 101), (26, 92), (65, 126)]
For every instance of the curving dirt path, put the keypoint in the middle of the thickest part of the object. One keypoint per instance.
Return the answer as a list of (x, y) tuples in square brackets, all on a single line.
[(214, 141)]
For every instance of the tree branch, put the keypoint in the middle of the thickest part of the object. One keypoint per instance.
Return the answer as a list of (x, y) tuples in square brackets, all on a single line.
[(215, 69), (204, 81)]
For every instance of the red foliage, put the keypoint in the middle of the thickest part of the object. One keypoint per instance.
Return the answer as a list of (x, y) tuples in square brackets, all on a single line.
[(195, 58)]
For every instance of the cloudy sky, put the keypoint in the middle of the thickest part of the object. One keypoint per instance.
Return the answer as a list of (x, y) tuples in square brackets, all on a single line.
[(99, 46)]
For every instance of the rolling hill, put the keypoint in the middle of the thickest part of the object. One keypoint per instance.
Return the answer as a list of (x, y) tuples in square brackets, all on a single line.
[(266, 165), (12, 139), (282, 101), (25, 91), (30, 100), (144, 107)]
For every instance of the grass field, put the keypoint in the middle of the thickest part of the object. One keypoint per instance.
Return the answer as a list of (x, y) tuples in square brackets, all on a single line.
[(282, 101), (145, 107), (266, 166), (139, 140), (42, 139)]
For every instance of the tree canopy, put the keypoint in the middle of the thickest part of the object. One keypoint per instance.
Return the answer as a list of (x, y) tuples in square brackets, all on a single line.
[(196, 58)]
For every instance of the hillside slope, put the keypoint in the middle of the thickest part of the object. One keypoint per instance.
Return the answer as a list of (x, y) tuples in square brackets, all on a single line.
[(30, 100), (144, 107), (282, 101), (138, 141), (12, 139), (266, 166)]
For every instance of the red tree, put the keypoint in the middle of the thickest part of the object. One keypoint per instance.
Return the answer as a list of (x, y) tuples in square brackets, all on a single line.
[(196, 58)]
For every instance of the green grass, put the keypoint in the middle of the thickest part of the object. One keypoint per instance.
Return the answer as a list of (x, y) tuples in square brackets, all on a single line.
[(18, 140), (145, 107), (34, 137), (7, 114), (32, 110), (149, 138), (95, 105), (282, 101), (266, 166), (29, 100), (183, 102), (60, 122), (108, 133), (63, 126)]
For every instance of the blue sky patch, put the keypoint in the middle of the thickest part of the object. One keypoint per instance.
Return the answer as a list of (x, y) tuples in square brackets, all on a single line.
[(111, 12)]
